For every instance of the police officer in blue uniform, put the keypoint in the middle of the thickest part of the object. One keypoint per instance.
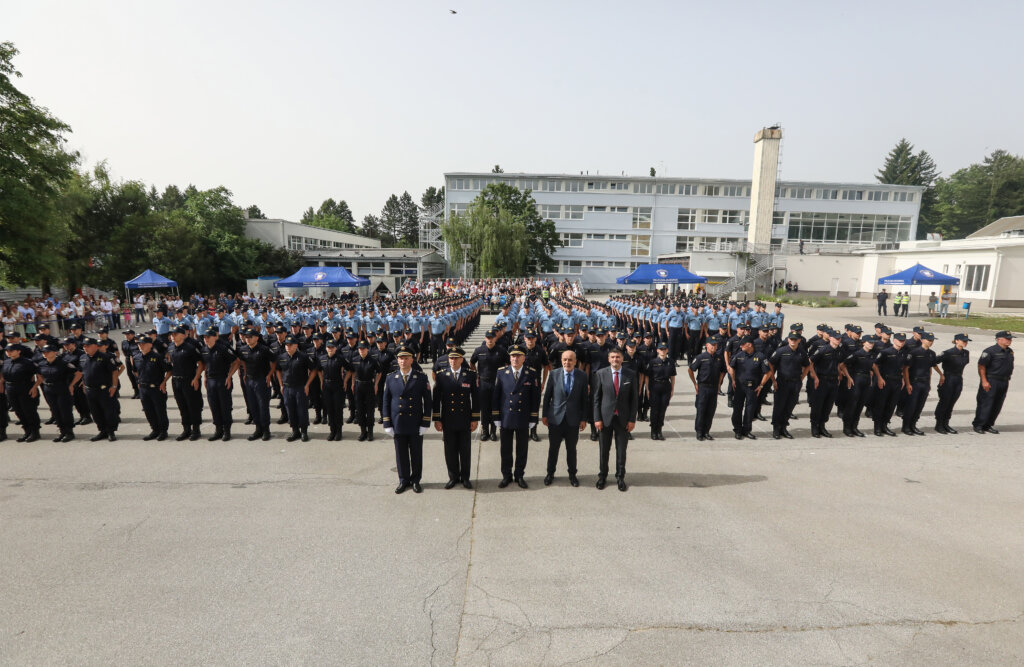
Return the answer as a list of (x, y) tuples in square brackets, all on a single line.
[(995, 366), (486, 361), (153, 371), (515, 403), (260, 367), (334, 368), (186, 378), (789, 365), (59, 377), (748, 370), (296, 371), (456, 414), (889, 384), (661, 374), (953, 361), (706, 373), (917, 378), (221, 363), (100, 373), (20, 380), (407, 412)]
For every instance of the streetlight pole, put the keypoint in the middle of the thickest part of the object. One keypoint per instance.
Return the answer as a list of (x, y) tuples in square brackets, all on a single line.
[(465, 260)]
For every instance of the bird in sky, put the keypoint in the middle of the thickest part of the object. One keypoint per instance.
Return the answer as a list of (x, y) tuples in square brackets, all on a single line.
[(453, 11)]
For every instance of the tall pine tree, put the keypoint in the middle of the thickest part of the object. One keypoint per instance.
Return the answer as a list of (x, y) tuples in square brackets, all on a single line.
[(905, 167)]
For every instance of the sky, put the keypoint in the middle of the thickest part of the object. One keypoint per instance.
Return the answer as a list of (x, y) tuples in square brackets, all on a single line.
[(289, 103)]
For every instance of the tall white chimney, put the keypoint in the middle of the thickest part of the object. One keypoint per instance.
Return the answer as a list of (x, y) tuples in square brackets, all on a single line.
[(762, 191)]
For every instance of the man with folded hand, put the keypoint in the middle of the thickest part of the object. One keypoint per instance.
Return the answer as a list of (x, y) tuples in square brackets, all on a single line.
[(406, 409)]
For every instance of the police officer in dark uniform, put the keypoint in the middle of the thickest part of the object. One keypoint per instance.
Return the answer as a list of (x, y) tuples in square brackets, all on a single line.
[(825, 383), (129, 346), (315, 348), (366, 371), (857, 368), (296, 371), (952, 361), (351, 352), (260, 367), (186, 377), (20, 380), (661, 375), (748, 370), (59, 377), (515, 403), (456, 414), (407, 412), (789, 364), (384, 353), (441, 362), (917, 377), (153, 371), (220, 362), (486, 360), (73, 353), (995, 366), (706, 372), (334, 368), (732, 347), (536, 359), (888, 370), (100, 373)]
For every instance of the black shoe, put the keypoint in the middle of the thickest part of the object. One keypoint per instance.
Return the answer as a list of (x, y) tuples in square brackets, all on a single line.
[(32, 436), (248, 422), (729, 403), (484, 436), (899, 413), (939, 428), (50, 422), (879, 432), (68, 437), (401, 488), (305, 436), (195, 434), (505, 481), (380, 420), (917, 431), (950, 430), (162, 436), (294, 436), (766, 402), (227, 435), (416, 488), (847, 432), (548, 479), (857, 432), (283, 420), (330, 437), (906, 431), (700, 436), (256, 435), (60, 436), (266, 435), (721, 393), (152, 436), (468, 484), (750, 436), (218, 433), (708, 436), (593, 437), (776, 435), (622, 484), (533, 434), (95, 438), (600, 483), (362, 435), (451, 484), (574, 480), (889, 431), (739, 436), (522, 483), (111, 437), (992, 430), (369, 434), (824, 432), (351, 418), (629, 435), (760, 418), (786, 434), (318, 419), (135, 395)]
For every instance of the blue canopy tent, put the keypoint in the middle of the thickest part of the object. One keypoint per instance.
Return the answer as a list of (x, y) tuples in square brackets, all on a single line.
[(918, 274), (148, 279), (322, 276), (670, 274)]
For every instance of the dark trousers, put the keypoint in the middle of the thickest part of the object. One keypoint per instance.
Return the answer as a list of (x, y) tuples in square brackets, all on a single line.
[(436, 345), (364, 399), (334, 405), (661, 393), (24, 408), (706, 402), (409, 457), (154, 406), (296, 404), (190, 402), (882, 308), (616, 430), (484, 398), (822, 400), (915, 402), (884, 402), (675, 343), (457, 453), (129, 370), (949, 393), (80, 402), (856, 397), (259, 397), (220, 402), (990, 402), (522, 441), (744, 407), (785, 402), (102, 409), (557, 433), (59, 400), (316, 394), (693, 344)]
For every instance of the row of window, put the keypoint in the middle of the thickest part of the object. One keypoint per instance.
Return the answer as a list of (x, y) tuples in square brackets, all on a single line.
[(377, 268), (848, 195), (639, 244), (307, 243), (576, 266)]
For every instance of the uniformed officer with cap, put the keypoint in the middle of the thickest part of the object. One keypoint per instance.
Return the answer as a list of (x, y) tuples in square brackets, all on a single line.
[(995, 366), (456, 414), (260, 368), (441, 362), (486, 360), (825, 383), (129, 346), (661, 375), (888, 370), (153, 371), (706, 373), (407, 411), (789, 365), (953, 361), (296, 371), (749, 372), (220, 364), (366, 370), (536, 359), (186, 377), (20, 380), (515, 403), (59, 377), (858, 369), (100, 373), (334, 368), (917, 378)]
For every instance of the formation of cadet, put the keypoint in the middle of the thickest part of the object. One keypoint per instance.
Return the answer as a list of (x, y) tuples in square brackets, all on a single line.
[(541, 358)]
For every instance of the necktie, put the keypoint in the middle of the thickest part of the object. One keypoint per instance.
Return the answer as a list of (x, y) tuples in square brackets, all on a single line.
[(515, 374), (615, 379), (568, 383), (404, 378)]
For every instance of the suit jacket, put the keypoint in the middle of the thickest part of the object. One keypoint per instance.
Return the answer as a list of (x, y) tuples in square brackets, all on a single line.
[(571, 409), (516, 404), (406, 407), (606, 403), (455, 402)]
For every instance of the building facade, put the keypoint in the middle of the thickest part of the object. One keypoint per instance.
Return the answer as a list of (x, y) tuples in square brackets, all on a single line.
[(610, 224)]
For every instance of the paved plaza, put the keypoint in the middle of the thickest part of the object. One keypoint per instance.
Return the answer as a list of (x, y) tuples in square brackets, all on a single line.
[(904, 550)]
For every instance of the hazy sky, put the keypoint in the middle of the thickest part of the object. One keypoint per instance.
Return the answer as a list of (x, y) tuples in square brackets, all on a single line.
[(288, 103)]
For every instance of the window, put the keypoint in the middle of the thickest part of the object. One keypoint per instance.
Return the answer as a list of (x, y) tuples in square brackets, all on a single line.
[(460, 184), (403, 269), (596, 237), (712, 190), (617, 265), (903, 196), (687, 189), (618, 185), (710, 215), (597, 209), (642, 217), (597, 185), (878, 195), (372, 268), (574, 186), (551, 186), (853, 195), (666, 188), (572, 240), (686, 215), (633, 265), (798, 193), (855, 228), (734, 217), (779, 218), (643, 188), (457, 209), (574, 212), (828, 194), (551, 211), (528, 184), (617, 237), (594, 263), (735, 191), (574, 266), (977, 278), (640, 245), (684, 243), (618, 209)]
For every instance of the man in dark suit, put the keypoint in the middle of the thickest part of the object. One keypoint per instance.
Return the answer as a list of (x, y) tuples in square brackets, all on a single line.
[(515, 404), (566, 406), (406, 408), (615, 400), (456, 415)]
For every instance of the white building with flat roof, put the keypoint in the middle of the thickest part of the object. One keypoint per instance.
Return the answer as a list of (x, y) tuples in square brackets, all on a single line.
[(610, 224)]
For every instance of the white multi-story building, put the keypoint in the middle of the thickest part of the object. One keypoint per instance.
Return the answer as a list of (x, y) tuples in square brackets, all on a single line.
[(610, 224)]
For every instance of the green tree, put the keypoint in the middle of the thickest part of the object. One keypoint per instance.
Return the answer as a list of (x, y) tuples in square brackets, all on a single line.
[(497, 169), (254, 213), (331, 215), (653, 172), (905, 167), (34, 167), (391, 222), (497, 240), (543, 237), (432, 197), (370, 227), (979, 194), (409, 235)]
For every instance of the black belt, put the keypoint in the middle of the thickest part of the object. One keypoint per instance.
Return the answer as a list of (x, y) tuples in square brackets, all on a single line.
[(101, 387), (295, 386), (920, 378), (708, 384), (363, 381), (660, 381), (50, 384), (954, 375), (862, 374), (487, 380), (178, 377), (890, 378), (330, 382), (149, 385), (998, 377), (216, 377)]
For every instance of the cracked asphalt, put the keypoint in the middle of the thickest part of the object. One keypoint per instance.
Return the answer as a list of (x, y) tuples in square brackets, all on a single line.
[(830, 552)]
